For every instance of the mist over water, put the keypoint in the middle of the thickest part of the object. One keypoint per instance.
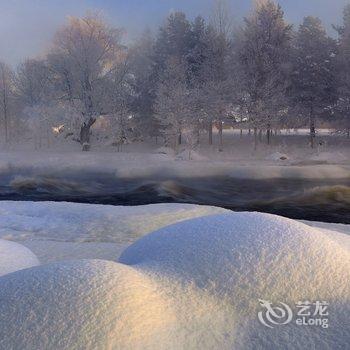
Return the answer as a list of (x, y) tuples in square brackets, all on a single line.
[(326, 200)]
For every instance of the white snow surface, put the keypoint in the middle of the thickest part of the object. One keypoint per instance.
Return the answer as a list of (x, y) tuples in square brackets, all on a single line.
[(74, 222), (193, 284), (240, 258), (14, 257)]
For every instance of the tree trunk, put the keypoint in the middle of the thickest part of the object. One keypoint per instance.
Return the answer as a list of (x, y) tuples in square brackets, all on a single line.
[(268, 134), (210, 132), (241, 132), (85, 133), (5, 106), (255, 139), (221, 143), (312, 128), (6, 125)]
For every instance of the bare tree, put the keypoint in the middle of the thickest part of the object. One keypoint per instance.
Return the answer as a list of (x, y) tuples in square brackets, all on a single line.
[(221, 18), (88, 48)]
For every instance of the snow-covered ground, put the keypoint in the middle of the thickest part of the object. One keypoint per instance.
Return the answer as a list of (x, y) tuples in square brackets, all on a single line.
[(194, 284), (14, 257), (60, 231)]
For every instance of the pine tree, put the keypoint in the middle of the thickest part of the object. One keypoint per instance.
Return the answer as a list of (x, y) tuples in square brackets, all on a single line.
[(263, 52), (313, 87), (174, 40)]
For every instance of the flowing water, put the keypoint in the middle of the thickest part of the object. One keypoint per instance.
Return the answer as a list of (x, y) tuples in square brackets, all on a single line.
[(317, 200)]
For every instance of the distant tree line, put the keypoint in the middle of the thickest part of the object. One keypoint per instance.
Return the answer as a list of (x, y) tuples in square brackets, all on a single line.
[(190, 76)]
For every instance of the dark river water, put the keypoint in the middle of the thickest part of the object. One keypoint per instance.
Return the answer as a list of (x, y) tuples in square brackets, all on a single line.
[(317, 200)]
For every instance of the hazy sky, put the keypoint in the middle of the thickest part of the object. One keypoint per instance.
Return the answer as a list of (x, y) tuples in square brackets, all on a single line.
[(26, 26)]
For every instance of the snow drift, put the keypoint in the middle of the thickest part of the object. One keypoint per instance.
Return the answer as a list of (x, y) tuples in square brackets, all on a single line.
[(244, 257), (14, 256), (94, 304), (194, 284)]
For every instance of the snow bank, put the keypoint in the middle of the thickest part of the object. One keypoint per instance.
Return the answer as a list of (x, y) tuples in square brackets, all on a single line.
[(244, 257), (193, 284), (14, 256)]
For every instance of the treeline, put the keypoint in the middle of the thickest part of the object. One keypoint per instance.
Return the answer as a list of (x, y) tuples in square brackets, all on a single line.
[(263, 75)]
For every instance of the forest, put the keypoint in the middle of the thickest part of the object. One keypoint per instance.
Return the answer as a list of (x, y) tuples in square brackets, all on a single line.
[(261, 75)]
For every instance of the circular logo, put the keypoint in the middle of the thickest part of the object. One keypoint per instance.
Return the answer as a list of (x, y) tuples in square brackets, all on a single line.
[(274, 315)]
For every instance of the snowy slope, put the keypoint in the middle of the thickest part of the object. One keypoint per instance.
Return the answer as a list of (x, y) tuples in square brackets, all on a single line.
[(193, 284)]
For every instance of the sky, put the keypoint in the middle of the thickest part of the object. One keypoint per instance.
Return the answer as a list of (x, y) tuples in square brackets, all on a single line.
[(27, 26)]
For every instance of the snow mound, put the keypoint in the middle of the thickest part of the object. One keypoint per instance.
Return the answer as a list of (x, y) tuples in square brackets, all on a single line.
[(244, 257), (14, 256), (197, 284), (95, 304), (78, 305)]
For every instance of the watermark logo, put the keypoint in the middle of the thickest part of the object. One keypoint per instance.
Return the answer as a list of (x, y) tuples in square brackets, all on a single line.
[(274, 315), (305, 313)]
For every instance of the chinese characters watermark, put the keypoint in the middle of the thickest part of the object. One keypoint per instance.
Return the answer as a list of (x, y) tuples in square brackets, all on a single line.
[(306, 313)]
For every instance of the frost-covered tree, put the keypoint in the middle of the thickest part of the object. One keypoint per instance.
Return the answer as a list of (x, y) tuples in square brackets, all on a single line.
[(313, 88), (263, 53), (142, 64), (33, 82), (173, 107), (119, 96), (6, 97), (343, 74), (175, 56), (83, 54), (221, 18), (173, 40), (209, 74), (34, 92)]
